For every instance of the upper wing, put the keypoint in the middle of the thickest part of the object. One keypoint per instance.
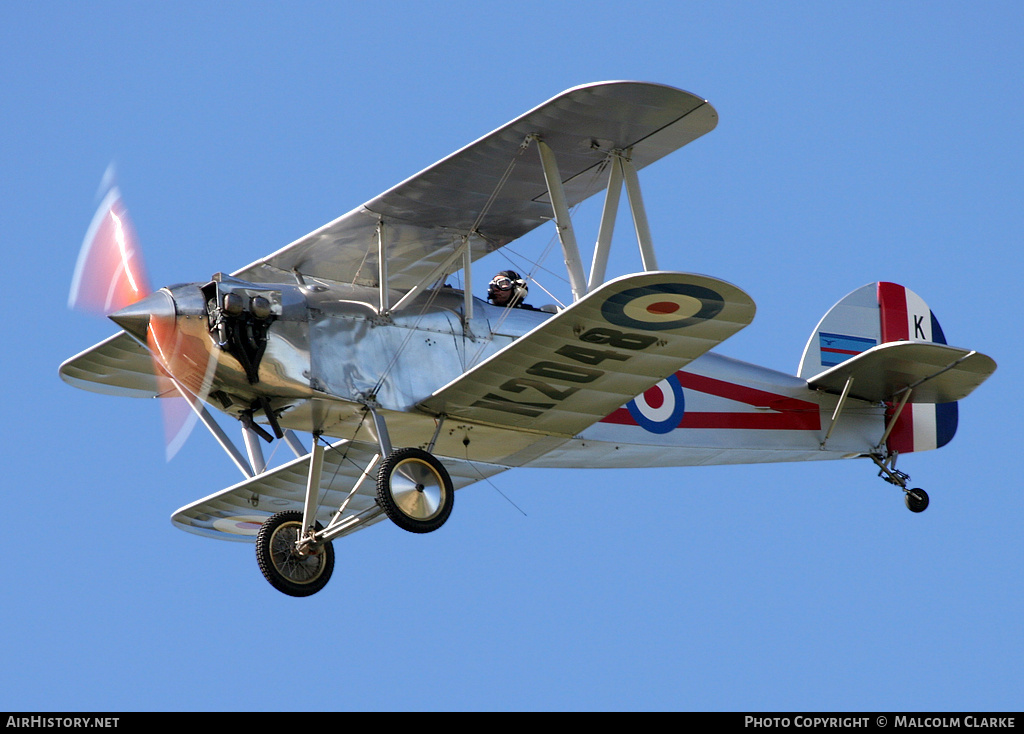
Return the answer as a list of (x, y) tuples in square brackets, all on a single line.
[(237, 512), (936, 373), (599, 353), (427, 216)]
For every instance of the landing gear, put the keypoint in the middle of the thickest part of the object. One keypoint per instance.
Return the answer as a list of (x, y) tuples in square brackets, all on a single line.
[(916, 499), (415, 490), (291, 568), (295, 552)]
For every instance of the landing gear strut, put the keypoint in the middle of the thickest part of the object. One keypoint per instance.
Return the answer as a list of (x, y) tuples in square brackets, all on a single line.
[(295, 552), (413, 488), (916, 499)]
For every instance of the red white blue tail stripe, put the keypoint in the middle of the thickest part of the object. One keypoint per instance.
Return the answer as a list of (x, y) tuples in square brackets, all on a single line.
[(903, 315)]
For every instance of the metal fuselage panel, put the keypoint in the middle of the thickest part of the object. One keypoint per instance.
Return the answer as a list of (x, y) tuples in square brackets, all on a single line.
[(284, 364)]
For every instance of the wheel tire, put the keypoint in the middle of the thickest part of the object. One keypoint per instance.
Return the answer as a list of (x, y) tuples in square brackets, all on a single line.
[(286, 570), (415, 490), (916, 499)]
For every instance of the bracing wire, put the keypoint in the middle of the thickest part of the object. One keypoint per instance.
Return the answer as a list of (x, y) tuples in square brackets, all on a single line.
[(344, 457), (472, 230), (537, 264), (493, 485)]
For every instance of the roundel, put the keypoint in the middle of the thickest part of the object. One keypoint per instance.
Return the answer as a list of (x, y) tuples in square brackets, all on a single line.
[(660, 408), (662, 306), (239, 524)]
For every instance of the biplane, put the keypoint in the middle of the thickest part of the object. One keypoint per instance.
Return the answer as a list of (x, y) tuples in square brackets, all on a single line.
[(411, 388)]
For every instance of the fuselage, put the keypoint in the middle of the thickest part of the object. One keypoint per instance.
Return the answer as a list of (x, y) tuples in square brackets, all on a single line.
[(318, 353)]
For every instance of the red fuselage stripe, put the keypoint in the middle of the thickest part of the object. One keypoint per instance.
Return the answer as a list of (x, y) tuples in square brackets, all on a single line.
[(784, 413)]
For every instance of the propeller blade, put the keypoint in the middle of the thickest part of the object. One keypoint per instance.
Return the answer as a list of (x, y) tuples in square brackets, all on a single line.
[(188, 366), (181, 410), (109, 274), (110, 279)]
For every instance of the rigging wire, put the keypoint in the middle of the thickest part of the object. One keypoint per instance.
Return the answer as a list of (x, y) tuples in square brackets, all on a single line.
[(467, 238), (487, 479), (537, 264), (434, 291), (322, 497), (401, 348)]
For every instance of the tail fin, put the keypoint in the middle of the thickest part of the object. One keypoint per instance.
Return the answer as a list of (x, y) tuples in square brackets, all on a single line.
[(875, 314)]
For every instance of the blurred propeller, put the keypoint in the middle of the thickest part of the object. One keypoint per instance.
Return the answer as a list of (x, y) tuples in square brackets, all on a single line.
[(109, 274), (110, 279)]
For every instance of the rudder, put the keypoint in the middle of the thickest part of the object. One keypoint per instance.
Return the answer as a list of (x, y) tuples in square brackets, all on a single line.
[(878, 313)]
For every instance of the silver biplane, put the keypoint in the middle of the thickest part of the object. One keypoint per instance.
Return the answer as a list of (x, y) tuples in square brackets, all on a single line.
[(412, 389)]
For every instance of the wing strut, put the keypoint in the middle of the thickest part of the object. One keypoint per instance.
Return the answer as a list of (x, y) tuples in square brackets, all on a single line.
[(895, 417), (382, 269), (636, 206), (218, 433), (839, 409), (889, 425), (621, 170), (570, 250), (250, 434), (604, 234), (467, 284)]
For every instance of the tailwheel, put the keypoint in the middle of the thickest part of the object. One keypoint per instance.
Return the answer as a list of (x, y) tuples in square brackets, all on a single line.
[(415, 490), (289, 569), (916, 499)]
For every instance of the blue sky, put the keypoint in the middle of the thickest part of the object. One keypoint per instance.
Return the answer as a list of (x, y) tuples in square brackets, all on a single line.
[(857, 142)]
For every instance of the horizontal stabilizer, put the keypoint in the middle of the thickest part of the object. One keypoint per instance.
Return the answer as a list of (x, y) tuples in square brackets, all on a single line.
[(598, 354), (935, 373)]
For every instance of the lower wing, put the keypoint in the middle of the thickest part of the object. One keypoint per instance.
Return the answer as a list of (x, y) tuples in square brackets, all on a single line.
[(348, 481)]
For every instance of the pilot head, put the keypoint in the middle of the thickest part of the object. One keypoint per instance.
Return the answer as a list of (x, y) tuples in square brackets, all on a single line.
[(507, 288)]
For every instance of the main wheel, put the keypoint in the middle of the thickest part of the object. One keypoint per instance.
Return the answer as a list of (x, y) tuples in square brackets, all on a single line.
[(415, 490), (288, 570), (916, 499)]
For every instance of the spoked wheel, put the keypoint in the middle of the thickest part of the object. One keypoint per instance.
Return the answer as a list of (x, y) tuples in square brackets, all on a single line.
[(288, 570), (916, 499), (415, 490)]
